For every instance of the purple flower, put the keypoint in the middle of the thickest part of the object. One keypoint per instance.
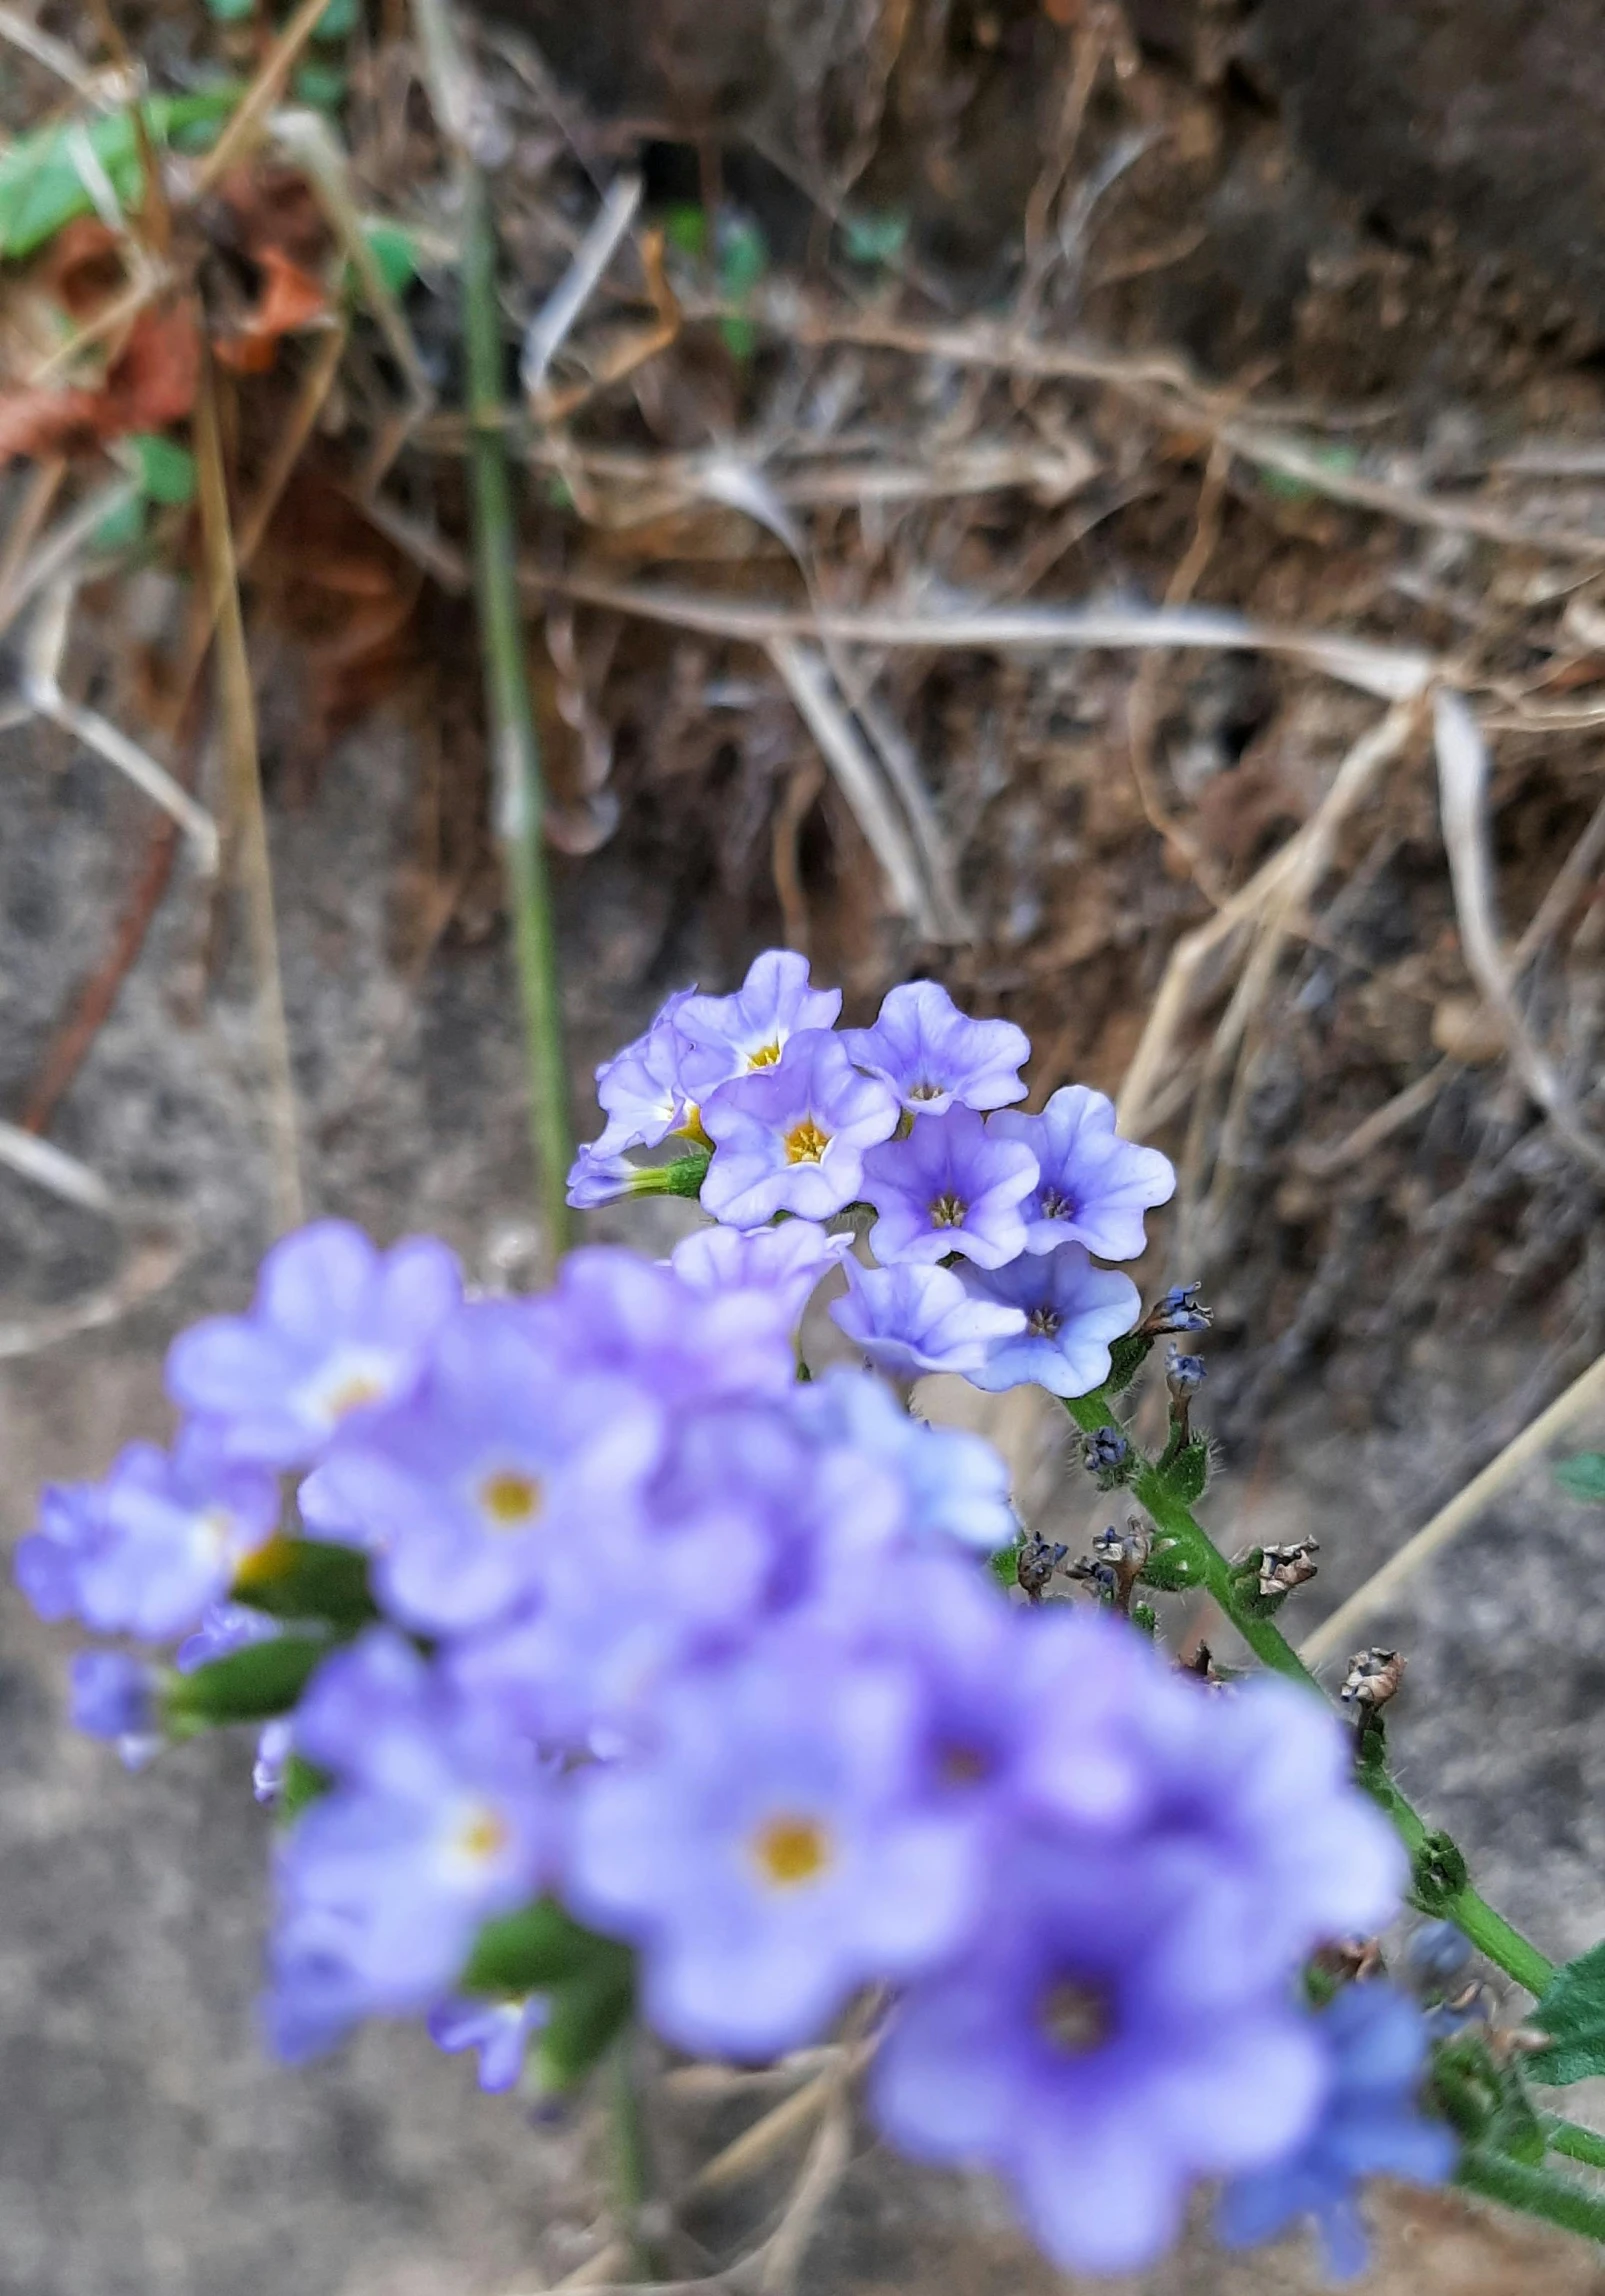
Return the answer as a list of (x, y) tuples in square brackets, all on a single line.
[(438, 1820), (786, 1263), (951, 1186), (732, 1036), (274, 1746), (337, 1331), (909, 1319), (145, 1551), (791, 1138), (1095, 1186), (1371, 2124), (611, 1311), (954, 1485), (499, 2030), (1089, 2048), (595, 1180), (1072, 1311), (224, 1628), (504, 1452), (640, 1088), (118, 1698), (931, 1054), (766, 1854)]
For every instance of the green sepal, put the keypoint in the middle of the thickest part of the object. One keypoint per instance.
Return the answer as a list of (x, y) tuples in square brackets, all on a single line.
[(1584, 1476), (1188, 1472), (587, 2016), (534, 1950), (1371, 1759), (684, 1177), (1484, 2101), (304, 1783), (1437, 1874), (1170, 1569), (1571, 2010), (1126, 1358), (250, 1685), (1005, 1565), (310, 1579)]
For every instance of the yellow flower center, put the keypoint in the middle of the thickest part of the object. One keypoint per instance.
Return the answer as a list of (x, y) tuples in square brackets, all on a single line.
[(510, 1499), (1075, 2017), (805, 1143), (765, 1056), (483, 1836), (790, 1851), (948, 1211), (354, 1394), (263, 1564)]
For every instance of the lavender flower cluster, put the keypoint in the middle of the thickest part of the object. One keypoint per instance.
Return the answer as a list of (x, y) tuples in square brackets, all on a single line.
[(650, 1629)]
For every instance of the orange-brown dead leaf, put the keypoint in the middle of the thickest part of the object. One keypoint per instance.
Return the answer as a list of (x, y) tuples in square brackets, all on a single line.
[(291, 299), (150, 384), (83, 266)]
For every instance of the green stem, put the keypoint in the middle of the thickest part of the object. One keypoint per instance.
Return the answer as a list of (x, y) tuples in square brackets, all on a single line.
[(1535, 2191), (1471, 1913), (1577, 2143), (632, 2182), (515, 746)]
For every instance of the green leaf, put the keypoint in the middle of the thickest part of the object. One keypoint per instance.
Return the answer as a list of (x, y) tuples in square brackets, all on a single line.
[(250, 1685), (322, 86), (338, 21), (1584, 1476), (230, 11), (1169, 1569), (304, 1783), (166, 469), (41, 187), (686, 228), (587, 2017), (121, 528), (1287, 488), (1188, 1472), (1126, 1359), (1005, 1565), (308, 1579), (1572, 2013), (875, 238), (395, 253), (534, 1950)]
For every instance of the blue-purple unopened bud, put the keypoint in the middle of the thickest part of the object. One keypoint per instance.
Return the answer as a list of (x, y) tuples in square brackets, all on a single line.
[(1107, 1449), (1184, 1374), (115, 1697)]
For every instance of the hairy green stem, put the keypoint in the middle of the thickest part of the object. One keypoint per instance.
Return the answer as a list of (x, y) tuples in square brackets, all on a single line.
[(1535, 2191), (515, 747), (1577, 2143), (1487, 1930)]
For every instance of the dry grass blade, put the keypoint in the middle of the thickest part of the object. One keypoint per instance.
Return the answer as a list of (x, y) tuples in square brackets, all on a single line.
[(551, 325), (54, 54), (52, 1169), (1391, 673), (151, 1268), (1333, 1637), (306, 138), (826, 2165), (62, 545), (42, 692), (808, 680), (248, 822), (1463, 796), (249, 119)]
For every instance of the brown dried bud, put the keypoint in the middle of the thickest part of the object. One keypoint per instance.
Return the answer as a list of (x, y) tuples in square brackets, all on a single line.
[(1373, 1678), (1281, 1569)]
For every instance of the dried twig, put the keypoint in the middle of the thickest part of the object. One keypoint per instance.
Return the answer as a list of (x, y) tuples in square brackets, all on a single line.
[(151, 1267), (1585, 1394), (53, 1169), (552, 323), (1463, 795)]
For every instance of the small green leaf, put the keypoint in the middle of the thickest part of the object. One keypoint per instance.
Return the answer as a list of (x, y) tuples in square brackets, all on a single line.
[(308, 1579), (1288, 488), (1438, 1868), (1572, 2013), (338, 21), (1169, 1569), (121, 528), (230, 11), (250, 1685), (1126, 1358), (304, 1783), (686, 229), (42, 186), (166, 469), (1584, 1476), (1005, 1565), (587, 2016), (875, 238), (535, 1950), (321, 86), (1188, 1472), (395, 252)]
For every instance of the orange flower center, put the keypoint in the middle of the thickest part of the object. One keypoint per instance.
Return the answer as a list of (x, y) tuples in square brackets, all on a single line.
[(510, 1499), (790, 1851)]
